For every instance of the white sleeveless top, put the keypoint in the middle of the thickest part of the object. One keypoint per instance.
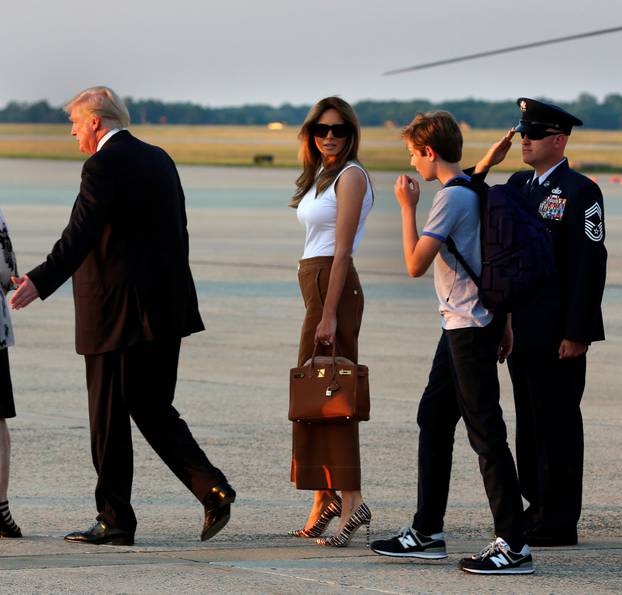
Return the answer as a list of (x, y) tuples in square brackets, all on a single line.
[(319, 216)]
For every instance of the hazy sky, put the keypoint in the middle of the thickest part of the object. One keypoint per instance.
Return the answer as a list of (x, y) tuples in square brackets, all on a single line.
[(274, 51)]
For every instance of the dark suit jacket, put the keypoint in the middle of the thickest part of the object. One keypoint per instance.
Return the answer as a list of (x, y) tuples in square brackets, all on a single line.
[(569, 305), (126, 245)]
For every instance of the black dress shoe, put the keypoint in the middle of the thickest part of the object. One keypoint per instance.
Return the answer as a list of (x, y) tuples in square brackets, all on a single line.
[(541, 538), (217, 510), (100, 533)]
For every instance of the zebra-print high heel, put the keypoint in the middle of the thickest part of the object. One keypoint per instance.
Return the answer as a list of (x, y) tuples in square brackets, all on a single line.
[(361, 516), (330, 512)]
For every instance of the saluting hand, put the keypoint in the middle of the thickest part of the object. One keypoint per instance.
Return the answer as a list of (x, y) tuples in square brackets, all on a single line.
[(25, 293), (407, 191), (497, 152), (569, 349)]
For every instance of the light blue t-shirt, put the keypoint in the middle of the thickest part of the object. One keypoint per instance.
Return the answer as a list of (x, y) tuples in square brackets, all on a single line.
[(455, 213)]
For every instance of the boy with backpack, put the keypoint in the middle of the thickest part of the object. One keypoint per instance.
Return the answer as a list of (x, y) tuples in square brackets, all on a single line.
[(463, 380)]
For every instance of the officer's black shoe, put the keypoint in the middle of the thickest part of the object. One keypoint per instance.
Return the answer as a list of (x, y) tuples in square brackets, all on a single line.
[(217, 510), (548, 538), (101, 533)]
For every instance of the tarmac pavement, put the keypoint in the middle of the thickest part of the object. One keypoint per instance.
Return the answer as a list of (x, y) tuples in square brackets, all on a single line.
[(232, 391)]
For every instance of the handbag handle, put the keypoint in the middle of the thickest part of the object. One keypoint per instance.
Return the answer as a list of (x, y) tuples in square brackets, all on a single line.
[(333, 386), (334, 356)]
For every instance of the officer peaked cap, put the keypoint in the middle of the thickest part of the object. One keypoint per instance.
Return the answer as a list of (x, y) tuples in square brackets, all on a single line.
[(537, 113)]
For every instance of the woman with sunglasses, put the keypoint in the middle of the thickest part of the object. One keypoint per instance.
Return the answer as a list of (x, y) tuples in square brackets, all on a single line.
[(8, 269), (333, 198)]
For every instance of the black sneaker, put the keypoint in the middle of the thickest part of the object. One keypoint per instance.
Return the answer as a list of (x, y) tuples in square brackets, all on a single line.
[(498, 558), (409, 543)]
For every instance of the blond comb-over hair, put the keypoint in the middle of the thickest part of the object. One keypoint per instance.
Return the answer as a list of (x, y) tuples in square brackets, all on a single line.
[(103, 102)]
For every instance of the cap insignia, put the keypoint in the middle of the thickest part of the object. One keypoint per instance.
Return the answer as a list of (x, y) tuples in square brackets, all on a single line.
[(523, 106)]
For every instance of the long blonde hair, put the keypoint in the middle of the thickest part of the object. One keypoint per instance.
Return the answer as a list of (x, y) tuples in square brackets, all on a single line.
[(310, 155)]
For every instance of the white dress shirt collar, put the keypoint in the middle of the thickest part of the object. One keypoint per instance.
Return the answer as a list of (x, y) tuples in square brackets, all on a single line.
[(546, 174), (108, 135)]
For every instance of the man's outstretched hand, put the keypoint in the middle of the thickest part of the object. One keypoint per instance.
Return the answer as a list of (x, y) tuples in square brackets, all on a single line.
[(25, 293)]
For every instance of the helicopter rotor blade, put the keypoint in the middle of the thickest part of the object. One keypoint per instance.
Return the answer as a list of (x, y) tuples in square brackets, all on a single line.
[(504, 50)]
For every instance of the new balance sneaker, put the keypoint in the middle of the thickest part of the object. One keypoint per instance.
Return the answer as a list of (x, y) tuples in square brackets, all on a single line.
[(409, 543), (498, 558)]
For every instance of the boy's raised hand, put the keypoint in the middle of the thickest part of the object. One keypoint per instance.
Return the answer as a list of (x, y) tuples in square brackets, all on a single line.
[(497, 152), (407, 191)]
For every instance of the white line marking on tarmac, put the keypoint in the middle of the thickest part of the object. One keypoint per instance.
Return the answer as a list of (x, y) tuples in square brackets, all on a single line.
[(305, 578)]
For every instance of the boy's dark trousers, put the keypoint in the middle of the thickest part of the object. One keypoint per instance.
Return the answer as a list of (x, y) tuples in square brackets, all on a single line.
[(463, 383)]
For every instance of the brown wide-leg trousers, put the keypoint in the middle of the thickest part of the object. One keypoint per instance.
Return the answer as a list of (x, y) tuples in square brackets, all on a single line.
[(326, 456)]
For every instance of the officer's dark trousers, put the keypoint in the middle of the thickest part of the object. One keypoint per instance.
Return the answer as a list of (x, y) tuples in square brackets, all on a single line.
[(463, 382), (549, 436), (139, 381)]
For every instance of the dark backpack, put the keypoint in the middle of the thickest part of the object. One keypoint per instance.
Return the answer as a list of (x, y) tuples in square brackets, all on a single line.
[(517, 246)]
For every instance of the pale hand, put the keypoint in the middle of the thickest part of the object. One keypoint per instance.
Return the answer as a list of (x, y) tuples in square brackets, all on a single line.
[(326, 330), (569, 349), (407, 191), (497, 153), (506, 345), (25, 293)]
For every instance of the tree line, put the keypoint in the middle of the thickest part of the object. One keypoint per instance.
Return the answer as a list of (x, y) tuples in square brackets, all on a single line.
[(478, 113)]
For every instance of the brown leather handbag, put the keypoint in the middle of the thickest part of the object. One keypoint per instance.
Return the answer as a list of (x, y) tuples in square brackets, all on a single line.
[(329, 390)]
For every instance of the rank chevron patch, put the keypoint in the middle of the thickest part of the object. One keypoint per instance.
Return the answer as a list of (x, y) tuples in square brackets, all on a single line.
[(594, 223)]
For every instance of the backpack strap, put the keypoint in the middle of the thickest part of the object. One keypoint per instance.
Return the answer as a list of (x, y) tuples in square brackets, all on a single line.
[(478, 187), (451, 246)]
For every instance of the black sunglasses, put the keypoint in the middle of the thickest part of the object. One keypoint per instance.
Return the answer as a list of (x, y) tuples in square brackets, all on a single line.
[(338, 130), (537, 134)]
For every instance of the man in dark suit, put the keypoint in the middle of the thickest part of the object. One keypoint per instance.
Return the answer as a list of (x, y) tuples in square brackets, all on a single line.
[(554, 328), (126, 248)]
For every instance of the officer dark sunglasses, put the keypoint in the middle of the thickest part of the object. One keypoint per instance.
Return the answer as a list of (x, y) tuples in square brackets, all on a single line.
[(338, 130), (537, 133)]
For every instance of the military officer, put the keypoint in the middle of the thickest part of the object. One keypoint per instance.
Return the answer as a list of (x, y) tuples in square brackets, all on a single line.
[(553, 330)]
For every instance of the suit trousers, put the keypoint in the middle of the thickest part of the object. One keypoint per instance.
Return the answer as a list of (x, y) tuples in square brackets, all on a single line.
[(463, 383), (139, 382), (549, 436)]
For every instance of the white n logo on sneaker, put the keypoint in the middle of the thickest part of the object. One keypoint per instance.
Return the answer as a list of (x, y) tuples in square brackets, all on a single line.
[(407, 541), (499, 561)]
